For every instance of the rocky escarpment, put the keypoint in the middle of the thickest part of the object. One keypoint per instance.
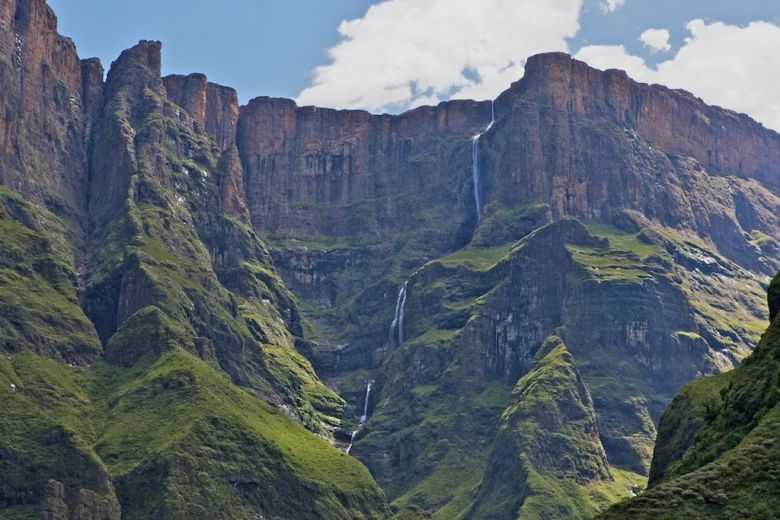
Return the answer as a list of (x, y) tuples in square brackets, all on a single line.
[(566, 135), (639, 295), (559, 148), (717, 451), (143, 323), (619, 251), (48, 99)]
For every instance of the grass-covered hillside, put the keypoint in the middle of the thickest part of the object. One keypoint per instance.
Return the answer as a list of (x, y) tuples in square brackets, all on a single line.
[(214, 311), (149, 366), (718, 448), (640, 310)]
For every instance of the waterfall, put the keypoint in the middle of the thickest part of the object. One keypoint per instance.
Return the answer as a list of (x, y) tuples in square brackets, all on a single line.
[(363, 418), (475, 174), (475, 161), (352, 440), (397, 327)]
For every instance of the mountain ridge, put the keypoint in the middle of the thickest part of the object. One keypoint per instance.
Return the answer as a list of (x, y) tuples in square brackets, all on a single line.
[(197, 259)]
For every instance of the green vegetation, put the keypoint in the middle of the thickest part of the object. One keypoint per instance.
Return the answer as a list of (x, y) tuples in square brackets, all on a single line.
[(718, 450), (180, 422), (320, 242), (548, 461), (39, 309), (621, 257), (454, 308), (508, 225), (476, 258)]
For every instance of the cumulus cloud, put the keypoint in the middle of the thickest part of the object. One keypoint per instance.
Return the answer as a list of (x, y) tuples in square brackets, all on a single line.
[(610, 6), (657, 40), (406, 53), (732, 66)]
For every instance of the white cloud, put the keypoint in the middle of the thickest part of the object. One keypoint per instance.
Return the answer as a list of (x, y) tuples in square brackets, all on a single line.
[(406, 52), (657, 40), (610, 6), (727, 65)]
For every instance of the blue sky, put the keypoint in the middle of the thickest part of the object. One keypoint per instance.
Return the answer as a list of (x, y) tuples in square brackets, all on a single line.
[(396, 54), (259, 47)]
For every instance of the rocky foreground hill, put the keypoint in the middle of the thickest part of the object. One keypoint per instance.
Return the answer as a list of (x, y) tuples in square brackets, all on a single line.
[(195, 297)]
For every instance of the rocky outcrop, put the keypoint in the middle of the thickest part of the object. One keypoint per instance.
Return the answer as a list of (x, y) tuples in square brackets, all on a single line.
[(723, 141), (214, 109), (88, 505), (47, 103), (548, 440), (212, 106)]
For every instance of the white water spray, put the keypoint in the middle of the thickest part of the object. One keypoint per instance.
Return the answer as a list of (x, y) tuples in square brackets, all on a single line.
[(363, 418), (365, 405), (475, 161), (397, 327)]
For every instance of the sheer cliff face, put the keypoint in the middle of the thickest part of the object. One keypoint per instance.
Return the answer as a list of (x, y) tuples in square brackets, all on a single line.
[(313, 171), (627, 227), (47, 101), (672, 205)]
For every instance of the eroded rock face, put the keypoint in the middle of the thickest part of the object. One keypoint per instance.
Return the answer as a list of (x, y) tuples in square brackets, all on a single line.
[(679, 200), (313, 171), (47, 103)]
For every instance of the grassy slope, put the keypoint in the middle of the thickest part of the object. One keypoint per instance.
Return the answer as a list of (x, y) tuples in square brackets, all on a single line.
[(457, 285), (724, 462), (548, 461), (177, 438), (39, 309), (159, 426)]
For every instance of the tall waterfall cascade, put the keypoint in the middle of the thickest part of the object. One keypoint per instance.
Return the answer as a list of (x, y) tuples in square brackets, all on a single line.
[(475, 162), (397, 326), (363, 418)]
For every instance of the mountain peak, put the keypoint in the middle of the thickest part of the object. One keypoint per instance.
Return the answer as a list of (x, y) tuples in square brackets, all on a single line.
[(143, 60)]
